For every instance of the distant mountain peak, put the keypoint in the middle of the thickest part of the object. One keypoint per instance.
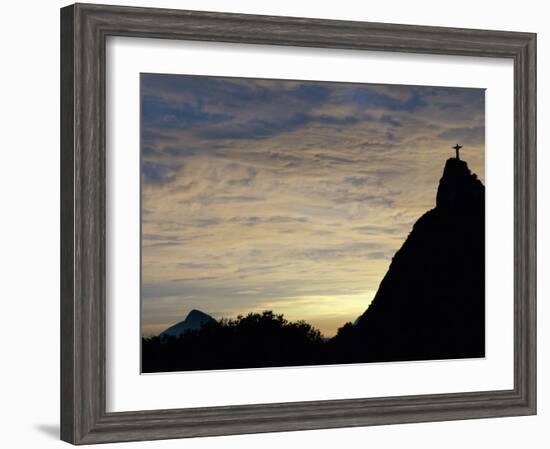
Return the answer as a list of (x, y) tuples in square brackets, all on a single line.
[(197, 314), (194, 320)]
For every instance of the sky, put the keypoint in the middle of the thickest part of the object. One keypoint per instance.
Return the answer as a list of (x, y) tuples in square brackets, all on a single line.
[(290, 196)]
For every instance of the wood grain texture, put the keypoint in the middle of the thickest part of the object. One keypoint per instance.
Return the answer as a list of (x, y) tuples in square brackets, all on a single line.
[(84, 29), (67, 226)]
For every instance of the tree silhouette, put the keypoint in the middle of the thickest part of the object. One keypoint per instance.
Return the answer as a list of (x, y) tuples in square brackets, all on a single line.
[(255, 340)]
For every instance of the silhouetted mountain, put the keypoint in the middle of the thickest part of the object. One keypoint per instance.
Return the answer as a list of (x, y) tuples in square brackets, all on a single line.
[(193, 321), (429, 305), (431, 302)]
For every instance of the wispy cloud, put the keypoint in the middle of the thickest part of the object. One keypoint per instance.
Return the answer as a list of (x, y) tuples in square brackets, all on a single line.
[(285, 194)]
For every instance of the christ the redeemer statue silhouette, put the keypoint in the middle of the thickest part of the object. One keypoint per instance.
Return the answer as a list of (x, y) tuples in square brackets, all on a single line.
[(457, 148)]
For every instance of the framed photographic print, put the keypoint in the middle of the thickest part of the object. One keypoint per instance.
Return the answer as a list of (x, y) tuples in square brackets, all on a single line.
[(265, 196), (274, 223)]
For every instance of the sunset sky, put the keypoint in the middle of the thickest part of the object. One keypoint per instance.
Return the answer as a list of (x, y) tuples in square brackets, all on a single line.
[(289, 196)]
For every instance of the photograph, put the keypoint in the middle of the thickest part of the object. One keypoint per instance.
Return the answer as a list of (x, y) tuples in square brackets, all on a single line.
[(303, 223)]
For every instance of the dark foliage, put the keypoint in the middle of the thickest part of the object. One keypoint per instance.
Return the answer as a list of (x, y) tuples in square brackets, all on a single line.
[(254, 340)]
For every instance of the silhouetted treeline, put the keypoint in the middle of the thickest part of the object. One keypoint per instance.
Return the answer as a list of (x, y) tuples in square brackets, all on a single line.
[(254, 340)]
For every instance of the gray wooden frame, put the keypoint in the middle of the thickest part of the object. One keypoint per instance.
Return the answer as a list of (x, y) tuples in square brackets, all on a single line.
[(84, 29)]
